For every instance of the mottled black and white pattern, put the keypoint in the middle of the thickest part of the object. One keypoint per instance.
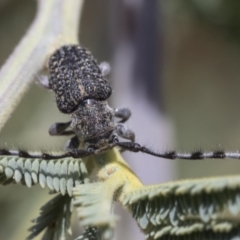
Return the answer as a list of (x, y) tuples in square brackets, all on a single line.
[(76, 76), (92, 119), (82, 91)]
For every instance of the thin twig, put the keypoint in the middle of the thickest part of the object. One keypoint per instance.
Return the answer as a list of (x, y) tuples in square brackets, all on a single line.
[(56, 23)]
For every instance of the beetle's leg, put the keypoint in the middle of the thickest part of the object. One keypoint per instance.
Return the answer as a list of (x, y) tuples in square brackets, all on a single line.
[(57, 129), (72, 143), (124, 132), (80, 153), (43, 81), (105, 68), (113, 139), (123, 113)]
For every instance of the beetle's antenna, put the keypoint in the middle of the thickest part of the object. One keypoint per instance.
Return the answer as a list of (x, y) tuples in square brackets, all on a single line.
[(36, 155), (197, 155), (130, 146), (74, 153)]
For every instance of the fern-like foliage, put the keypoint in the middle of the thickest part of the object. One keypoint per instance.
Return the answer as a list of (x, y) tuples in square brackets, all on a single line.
[(55, 217), (58, 175), (193, 209), (94, 203), (182, 210)]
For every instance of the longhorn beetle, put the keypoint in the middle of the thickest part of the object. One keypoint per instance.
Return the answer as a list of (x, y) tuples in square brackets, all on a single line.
[(82, 90)]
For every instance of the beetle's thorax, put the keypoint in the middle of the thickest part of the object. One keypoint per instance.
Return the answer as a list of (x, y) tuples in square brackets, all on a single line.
[(92, 119)]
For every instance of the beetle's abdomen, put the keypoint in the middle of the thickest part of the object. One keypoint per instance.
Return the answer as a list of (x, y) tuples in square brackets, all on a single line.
[(75, 76)]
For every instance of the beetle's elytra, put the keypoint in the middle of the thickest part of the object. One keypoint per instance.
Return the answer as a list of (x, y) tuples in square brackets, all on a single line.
[(76, 76)]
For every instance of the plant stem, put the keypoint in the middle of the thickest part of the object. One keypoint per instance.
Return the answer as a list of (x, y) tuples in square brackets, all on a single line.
[(56, 23)]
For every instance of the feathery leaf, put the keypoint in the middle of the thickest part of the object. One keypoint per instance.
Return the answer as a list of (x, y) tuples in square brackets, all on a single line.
[(204, 207), (94, 203), (55, 217), (58, 175)]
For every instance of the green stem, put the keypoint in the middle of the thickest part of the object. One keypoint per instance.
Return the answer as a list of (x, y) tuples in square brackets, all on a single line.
[(56, 23)]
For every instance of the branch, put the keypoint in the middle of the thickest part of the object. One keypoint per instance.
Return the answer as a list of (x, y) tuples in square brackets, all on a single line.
[(55, 24)]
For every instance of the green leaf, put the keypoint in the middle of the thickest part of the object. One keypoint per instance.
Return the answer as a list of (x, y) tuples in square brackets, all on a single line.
[(205, 207), (94, 203), (55, 218), (58, 175)]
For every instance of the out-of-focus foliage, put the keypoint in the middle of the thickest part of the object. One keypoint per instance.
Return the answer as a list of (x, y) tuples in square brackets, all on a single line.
[(91, 233), (55, 217), (224, 15)]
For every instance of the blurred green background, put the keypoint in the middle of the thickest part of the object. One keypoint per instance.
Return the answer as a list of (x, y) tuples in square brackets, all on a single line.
[(201, 85)]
